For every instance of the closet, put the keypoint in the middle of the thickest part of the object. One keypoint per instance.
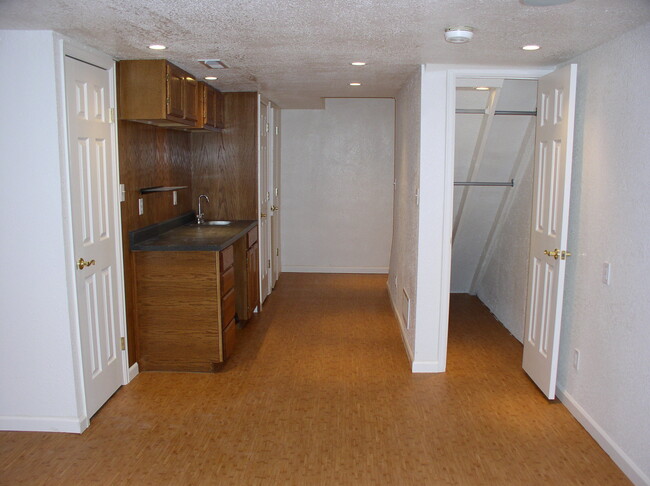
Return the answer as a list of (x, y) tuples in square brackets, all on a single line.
[(493, 173)]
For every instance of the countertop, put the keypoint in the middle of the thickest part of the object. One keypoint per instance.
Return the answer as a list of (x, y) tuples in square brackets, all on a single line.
[(180, 234)]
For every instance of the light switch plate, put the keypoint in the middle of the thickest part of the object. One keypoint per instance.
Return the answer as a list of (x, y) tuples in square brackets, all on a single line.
[(607, 271)]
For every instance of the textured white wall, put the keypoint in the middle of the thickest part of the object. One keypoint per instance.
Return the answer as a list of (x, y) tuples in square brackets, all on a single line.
[(337, 186), (404, 254), (36, 357), (609, 222), (503, 286)]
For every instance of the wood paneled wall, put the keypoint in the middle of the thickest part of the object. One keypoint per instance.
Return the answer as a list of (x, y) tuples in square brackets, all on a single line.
[(224, 164), (149, 156)]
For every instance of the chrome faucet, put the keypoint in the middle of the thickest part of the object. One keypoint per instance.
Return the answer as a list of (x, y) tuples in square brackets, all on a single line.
[(199, 216)]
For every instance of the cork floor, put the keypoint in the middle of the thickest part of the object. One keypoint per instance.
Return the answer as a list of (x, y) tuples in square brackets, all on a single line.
[(319, 392)]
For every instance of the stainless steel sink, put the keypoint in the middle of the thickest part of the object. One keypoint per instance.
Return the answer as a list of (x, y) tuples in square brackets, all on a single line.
[(213, 223)]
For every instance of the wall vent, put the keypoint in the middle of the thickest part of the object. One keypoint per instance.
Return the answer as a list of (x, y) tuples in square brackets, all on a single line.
[(213, 63)]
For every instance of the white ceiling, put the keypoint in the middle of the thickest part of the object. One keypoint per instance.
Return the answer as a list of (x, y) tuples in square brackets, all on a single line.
[(298, 51)]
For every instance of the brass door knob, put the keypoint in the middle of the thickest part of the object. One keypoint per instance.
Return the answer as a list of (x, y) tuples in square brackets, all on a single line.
[(555, 253), (83, 263), (263, 215), (274, 208)]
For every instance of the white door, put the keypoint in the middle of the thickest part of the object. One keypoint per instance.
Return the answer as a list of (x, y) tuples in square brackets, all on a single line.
[(265, 197), (275, 199), (549, 229), (94, 227)]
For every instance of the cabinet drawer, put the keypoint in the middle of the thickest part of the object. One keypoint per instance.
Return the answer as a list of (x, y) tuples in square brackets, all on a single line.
[(251, 237), (227, 280), (226, 258), (228, 303), (229, 339)]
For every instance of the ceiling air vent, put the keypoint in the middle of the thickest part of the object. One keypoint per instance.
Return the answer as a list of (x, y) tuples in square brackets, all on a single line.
[(213, 63)]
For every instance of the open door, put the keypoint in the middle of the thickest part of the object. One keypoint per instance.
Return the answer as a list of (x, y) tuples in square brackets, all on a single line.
[(95, 229), (549, 228)]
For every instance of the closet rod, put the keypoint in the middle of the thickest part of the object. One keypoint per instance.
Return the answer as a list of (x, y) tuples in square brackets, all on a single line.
[(511, 183), (469, 111)]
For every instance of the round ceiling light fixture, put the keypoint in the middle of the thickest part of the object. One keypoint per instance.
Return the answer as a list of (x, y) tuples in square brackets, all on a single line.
[(459, 35)]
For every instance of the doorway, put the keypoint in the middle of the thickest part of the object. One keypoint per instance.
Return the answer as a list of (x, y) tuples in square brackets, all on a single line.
[(493, 181)]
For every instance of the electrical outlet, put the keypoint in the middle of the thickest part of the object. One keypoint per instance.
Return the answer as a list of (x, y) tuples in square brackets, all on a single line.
[(417, 197), (576, 359), (607, 271), (175, 198), (141, 206)]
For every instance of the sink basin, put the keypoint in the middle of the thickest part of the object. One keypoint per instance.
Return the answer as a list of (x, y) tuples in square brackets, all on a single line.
[(213, 223)]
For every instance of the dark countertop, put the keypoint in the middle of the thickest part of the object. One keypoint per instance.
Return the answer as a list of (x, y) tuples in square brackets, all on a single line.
[(179, 234)]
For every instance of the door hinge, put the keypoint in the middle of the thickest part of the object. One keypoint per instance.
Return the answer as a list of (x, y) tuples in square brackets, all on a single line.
[(123, 344), (269, 263), (277, 130), (111, 115), (277, 252)]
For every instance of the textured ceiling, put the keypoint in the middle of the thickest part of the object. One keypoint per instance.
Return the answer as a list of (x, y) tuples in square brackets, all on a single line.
[(298, 51)]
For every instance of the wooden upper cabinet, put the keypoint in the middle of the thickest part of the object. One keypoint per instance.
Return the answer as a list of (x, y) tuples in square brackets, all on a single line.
[(212, 100), (191, 106), (157, 92)]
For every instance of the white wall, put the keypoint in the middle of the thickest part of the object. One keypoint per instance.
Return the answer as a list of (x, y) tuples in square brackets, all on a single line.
[(609, 222), (37, 373), (503, 286), (337, 186), (404, 256)]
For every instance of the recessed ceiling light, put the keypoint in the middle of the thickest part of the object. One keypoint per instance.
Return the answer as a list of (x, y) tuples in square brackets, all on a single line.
[(459, 35), (355, 84), (482, 88), (531, 47), (157, 47), (210, 78), (358, 63)]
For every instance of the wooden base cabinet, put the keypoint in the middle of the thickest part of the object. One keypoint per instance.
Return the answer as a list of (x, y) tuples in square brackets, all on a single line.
[(248, 277), (185, 309)]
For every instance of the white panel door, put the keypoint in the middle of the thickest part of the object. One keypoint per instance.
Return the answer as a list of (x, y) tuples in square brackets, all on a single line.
[(275, 199), (265, 198), (549, 229), (94, 226)]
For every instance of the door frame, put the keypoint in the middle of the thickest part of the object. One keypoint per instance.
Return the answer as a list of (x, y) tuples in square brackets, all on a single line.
[(448, 203), (65, 47)]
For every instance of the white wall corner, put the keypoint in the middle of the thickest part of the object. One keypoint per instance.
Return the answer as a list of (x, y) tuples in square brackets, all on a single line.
[(622, 460), (433, 241)]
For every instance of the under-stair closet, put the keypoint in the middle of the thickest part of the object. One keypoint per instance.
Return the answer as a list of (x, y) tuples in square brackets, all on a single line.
[(494, 153)]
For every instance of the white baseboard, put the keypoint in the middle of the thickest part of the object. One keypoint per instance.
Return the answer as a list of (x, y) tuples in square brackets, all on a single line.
[(72, 425), (402, 326), (310, 269), (133, 371), (622, 460), (426, 367)]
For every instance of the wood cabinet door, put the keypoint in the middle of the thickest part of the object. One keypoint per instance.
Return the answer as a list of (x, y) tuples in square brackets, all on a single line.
[(219, 103), (210, 106), (175, 80), (253, 281), (191, 99)]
